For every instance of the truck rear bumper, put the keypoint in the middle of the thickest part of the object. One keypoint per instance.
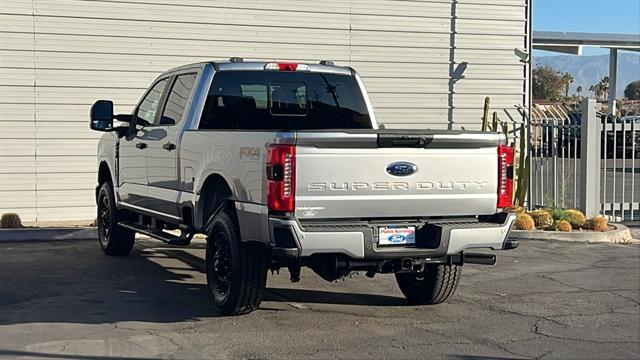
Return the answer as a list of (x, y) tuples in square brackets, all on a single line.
[(358, 240)]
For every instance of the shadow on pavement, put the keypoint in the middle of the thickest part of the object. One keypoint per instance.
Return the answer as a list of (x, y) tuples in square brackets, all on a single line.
[(477, 357), (76, 283), (41, 355), (301, 295), (327, 297)]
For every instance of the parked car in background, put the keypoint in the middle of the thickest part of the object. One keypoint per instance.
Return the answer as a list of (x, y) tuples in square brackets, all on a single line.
[(620, 136)]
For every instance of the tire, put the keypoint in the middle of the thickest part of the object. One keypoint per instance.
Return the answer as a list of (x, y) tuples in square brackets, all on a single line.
[(433, 286), (114, 240), (236, 271)]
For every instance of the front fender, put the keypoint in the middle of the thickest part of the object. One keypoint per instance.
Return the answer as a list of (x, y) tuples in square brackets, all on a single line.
[(107, 148)]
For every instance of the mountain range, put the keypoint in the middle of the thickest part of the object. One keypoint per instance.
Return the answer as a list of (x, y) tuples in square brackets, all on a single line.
[(589, 70)]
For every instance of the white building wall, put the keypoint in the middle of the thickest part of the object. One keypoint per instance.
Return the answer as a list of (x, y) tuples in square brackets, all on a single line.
[(58, 56)]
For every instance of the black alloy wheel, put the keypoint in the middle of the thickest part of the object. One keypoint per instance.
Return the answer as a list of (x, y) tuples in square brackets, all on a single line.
[(114, 240), (236, 270)]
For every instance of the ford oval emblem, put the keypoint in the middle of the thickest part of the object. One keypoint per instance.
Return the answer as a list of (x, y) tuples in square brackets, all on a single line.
[(398, 238), (402, 168)]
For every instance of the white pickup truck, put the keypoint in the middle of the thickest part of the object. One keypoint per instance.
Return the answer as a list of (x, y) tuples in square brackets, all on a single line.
[(283, 165)]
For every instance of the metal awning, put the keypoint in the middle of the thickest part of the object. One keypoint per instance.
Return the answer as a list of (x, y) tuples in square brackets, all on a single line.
[(573, 42)]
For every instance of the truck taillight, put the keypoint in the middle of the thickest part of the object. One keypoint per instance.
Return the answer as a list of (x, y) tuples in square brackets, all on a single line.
[(281, 175), (505, 176)]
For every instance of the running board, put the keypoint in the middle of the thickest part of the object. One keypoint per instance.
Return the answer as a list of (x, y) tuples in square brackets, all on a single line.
[(157, 234)]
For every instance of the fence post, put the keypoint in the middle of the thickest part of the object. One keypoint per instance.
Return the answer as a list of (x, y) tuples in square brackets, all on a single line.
[(590, 133)]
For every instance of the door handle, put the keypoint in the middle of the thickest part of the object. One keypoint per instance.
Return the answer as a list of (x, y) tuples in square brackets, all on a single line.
[(169, 146), (141, 145)]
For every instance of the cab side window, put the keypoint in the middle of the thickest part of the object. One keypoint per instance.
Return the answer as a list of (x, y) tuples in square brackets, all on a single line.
[(149, 105), (178, 99)]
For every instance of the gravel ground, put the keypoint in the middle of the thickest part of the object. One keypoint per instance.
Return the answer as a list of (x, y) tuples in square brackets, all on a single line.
[(66, 300)]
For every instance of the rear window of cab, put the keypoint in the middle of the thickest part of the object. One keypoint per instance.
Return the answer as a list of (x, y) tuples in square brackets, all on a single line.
[(284, 100)]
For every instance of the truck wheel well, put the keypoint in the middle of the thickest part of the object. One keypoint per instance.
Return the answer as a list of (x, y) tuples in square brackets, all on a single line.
[(104, 174), (215, 190)]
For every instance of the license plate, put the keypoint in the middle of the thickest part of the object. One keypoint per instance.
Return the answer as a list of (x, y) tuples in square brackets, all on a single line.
[(391, 235)]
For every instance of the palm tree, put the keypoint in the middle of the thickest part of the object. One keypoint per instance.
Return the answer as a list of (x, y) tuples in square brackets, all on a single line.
[(599, 89), (579, 90), (604, 84), (566, 79)]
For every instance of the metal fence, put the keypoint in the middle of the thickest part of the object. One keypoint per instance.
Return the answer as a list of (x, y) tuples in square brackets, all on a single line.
[(591, 165), (555, 167), (620, 194)]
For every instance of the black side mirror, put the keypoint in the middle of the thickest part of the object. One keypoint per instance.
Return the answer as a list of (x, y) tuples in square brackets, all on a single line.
[(102, 115)]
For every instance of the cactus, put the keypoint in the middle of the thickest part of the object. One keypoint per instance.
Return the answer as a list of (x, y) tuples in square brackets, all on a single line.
[(524, 222), (522, 170), (541, 218), (598, 223), (576, 218), (494, 122), (485, 116), (505, 129), (563, 225), (10, 221), (522, 182), (523, 141), (558, 213)]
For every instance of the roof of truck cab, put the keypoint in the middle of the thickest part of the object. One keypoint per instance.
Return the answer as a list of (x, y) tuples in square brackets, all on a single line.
[(259, 65)]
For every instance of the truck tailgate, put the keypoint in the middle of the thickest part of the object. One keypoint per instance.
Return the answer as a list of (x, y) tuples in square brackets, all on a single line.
[(383, 174)]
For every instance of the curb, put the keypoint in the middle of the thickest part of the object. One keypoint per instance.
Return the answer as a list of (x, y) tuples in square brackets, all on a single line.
[(48, 234), (620, 234)]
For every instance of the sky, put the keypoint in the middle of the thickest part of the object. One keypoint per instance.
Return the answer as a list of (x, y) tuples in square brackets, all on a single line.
[(600, 16)]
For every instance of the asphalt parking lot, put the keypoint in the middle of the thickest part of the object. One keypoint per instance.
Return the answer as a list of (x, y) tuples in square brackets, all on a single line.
[(65, 300)]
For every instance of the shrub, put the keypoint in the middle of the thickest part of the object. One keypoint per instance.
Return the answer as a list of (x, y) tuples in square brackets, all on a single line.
[(514, 209), (541, 218), (598, 223), (563, 225), (576, 218), (10, 221), (524, 222)]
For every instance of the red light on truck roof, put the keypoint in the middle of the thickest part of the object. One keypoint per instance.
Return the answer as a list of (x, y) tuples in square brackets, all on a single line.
[(286, 67)]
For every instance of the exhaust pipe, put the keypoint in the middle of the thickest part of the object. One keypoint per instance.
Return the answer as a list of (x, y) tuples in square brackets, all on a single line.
[(482, 259)]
